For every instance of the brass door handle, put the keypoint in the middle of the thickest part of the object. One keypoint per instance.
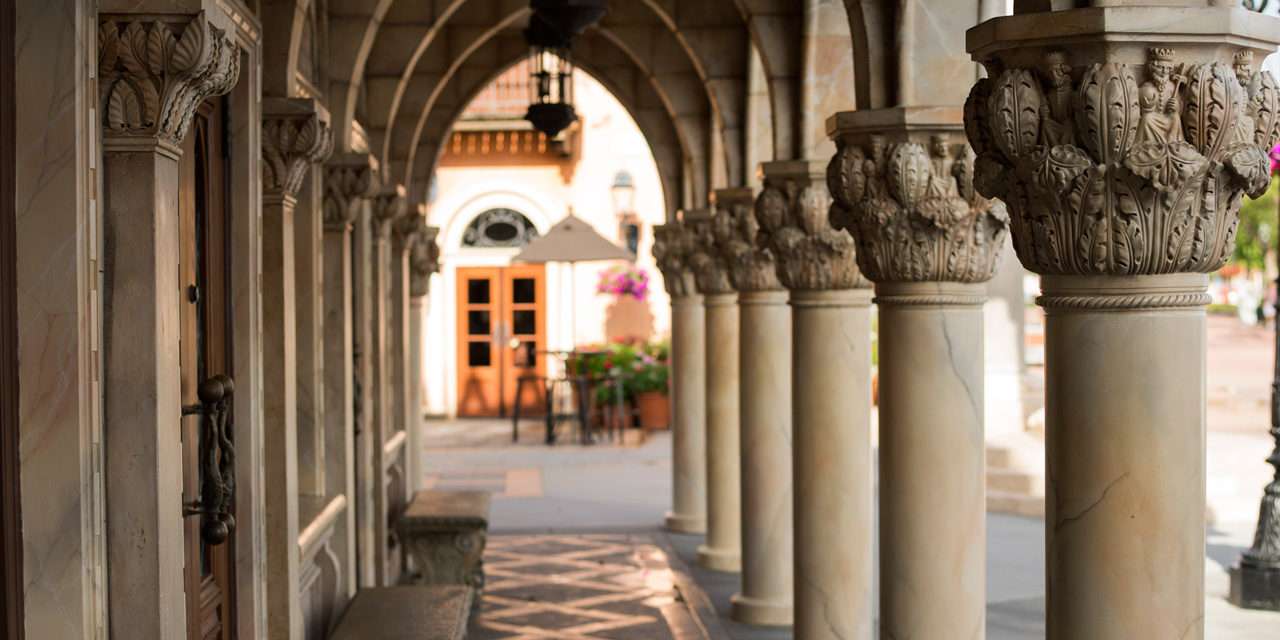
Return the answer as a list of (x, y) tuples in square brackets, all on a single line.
[(217, 460)]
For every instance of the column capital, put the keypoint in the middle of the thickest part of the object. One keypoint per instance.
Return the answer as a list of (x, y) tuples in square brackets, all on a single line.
[(710, 272), (1123, 148), (295, 135), (388, 204), (348, 179), (902, 184), (405, 229), (811, 254), (155, 70), (671, 246), (424, 260)]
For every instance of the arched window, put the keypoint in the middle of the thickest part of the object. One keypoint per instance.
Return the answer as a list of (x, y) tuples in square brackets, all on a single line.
[(499, 228)]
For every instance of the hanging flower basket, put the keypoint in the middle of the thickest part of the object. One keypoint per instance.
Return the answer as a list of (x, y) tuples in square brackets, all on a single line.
[(624, 281)]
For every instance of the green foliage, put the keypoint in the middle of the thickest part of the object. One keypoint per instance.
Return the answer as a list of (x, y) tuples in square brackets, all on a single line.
[(636, 368), (1220, 309), (1251, 247)]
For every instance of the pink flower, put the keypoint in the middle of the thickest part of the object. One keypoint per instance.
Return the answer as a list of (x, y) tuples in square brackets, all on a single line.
[(1275, 158)]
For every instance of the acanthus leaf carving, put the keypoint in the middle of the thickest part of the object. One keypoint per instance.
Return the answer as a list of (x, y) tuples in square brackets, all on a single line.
[(291, 142), (811, 253), (348, 180), (672, 244), (1149, 181), (919, 217), (704, 257), (151, 80), (424, 259)]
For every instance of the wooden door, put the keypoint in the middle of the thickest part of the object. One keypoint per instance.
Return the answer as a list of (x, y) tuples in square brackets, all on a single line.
[(205, 352), (11, 620), (501, 334)]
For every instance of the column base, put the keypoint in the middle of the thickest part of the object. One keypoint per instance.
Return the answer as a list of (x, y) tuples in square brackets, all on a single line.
[(761, 613), (726, 560), (1255, 587), (686, 524)]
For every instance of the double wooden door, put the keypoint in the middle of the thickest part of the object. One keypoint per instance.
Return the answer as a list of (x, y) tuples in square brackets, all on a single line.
[(501, 336), (204, 260)]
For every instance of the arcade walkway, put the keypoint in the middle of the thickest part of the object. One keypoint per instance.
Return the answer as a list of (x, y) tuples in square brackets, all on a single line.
[(576, 550)]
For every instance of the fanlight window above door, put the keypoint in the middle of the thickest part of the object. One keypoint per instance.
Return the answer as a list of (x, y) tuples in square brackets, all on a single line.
[(499, 228)]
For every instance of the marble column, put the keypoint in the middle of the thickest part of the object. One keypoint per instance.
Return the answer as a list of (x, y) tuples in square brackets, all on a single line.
[(295, 134), (405, 232), (308, 230), (424, 260), (831, 404), (388, 205), (765, 408), (688, 432), (362, 302), (141, 400), (901, 183), (723, 548), (350, 179), (1123, 193)]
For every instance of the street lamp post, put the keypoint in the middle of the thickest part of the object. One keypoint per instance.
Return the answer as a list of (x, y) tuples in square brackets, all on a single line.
[(1255, 580)]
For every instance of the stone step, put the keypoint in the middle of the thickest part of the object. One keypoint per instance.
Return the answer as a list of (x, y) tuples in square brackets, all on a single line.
[(1015, 504), (1015, 481)]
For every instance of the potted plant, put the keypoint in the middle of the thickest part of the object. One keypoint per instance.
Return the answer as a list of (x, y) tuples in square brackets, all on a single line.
[(649, 382)]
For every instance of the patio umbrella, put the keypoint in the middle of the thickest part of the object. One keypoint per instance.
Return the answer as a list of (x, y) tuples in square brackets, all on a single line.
[(572, 240)]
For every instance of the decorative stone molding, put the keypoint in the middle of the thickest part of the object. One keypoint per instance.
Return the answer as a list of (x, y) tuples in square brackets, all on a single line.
[(671, 247), (424, 260), (901, 181), (295, 135), (1124, 161), (388, 204), (154, 72), (812, 255), (348, 179), (710, 273)]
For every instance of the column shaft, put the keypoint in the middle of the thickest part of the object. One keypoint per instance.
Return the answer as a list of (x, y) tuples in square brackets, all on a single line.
[(367, 441), (309, 284), (413, 462), (932, 461), (1125, 429), (280, 441), (380, 429), (765, 350), (688, 437), (723, 549), (831, 382), (142, 409), (339, 432)]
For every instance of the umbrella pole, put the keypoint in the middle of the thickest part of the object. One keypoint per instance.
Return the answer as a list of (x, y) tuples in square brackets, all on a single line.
[(573, 302)]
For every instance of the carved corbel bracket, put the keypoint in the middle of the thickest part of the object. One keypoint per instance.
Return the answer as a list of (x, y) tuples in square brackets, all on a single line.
[(424, 260), (1128, 152), (388, 204), (349, 178), (295, 135), (156, 70), (671, 243), (794, 207), (901, 183)]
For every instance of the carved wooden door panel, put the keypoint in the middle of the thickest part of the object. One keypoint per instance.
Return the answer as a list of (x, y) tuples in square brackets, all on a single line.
[(204, 254)]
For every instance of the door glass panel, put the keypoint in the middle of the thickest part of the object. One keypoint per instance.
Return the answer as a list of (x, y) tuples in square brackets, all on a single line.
[(478, 291), (524, 291), (525, 321), (478, 354), (478, 323), (526, 356)]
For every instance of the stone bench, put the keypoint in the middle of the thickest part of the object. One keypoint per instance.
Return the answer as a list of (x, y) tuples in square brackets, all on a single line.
[(443, 533), (412, 612)]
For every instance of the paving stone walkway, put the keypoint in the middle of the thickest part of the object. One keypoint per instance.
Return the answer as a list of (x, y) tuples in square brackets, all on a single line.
[(584, 587)]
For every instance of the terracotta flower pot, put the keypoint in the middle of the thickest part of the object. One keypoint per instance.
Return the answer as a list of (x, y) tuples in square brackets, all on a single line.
[(655, 410)]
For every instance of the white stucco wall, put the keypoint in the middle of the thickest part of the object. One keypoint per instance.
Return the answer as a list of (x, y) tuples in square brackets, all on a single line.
[(611, 142)]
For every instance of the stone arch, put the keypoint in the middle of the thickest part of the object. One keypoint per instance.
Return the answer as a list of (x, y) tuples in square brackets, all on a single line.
[(672, 149), (353, 27), (776, 28), (280, 54)]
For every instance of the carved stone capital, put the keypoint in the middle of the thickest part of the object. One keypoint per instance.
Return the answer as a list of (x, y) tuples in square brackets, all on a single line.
[(794, 206), (406, 229), (424, 260), (710, 272), (387, 205), (901, 181), (155, 70), (1128, 151), (349, 178), (671, 243), (295, 135)]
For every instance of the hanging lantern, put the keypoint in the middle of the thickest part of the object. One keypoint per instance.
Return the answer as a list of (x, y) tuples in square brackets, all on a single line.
[(552, 27)]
